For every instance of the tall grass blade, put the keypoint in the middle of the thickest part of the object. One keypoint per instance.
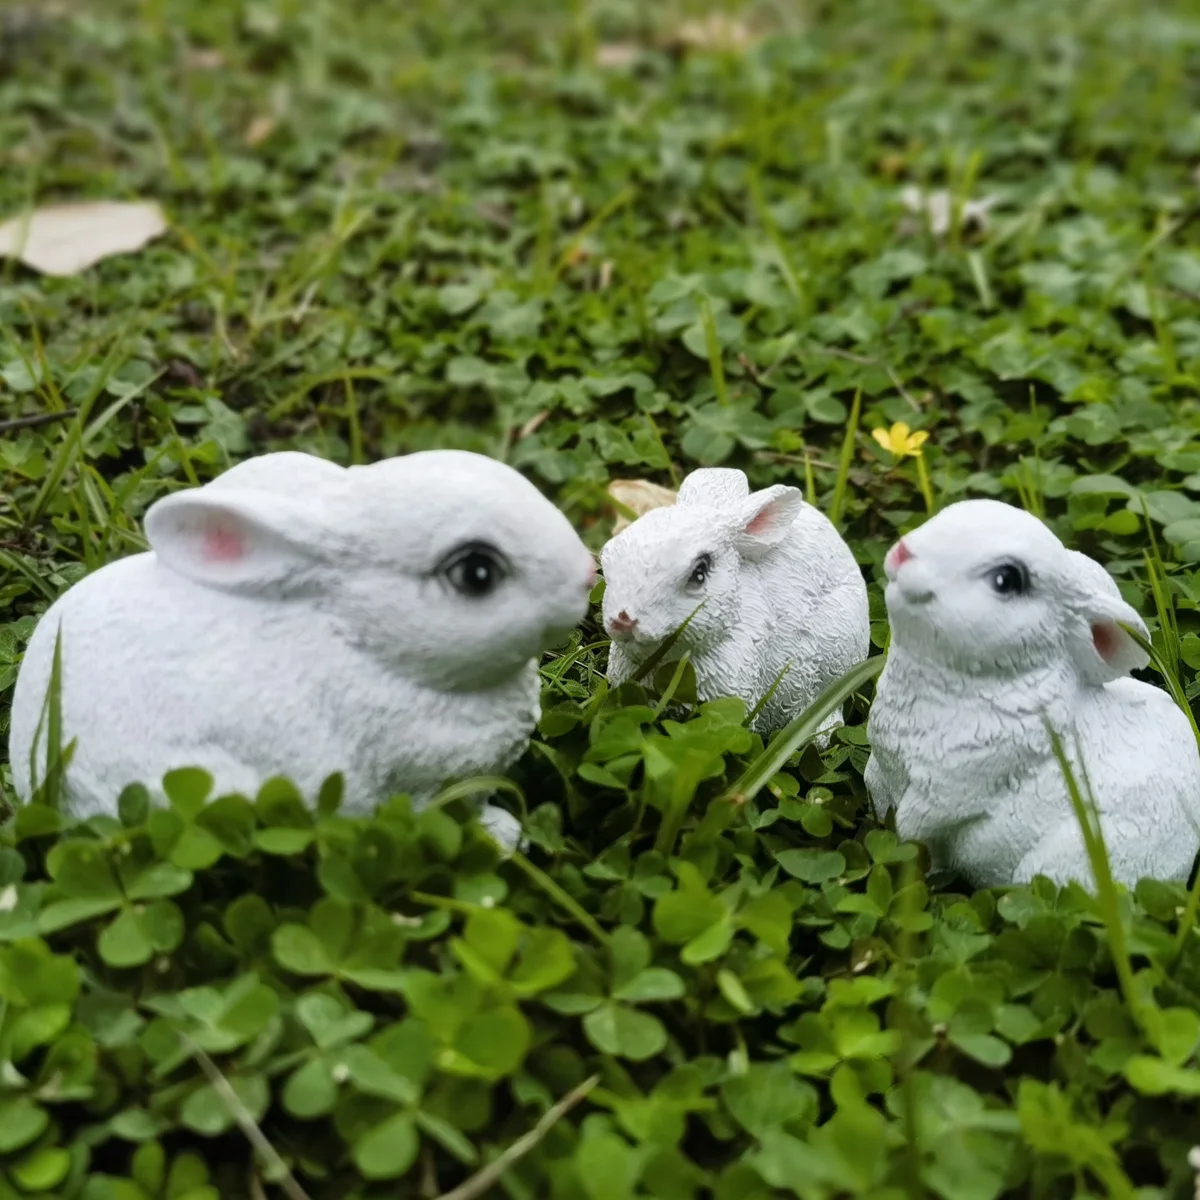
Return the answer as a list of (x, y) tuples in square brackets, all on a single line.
[(1164, 606), (1107, 897), (712, 344), (664, 648), (48, 789), (673, 686), (846, 457), (1174, 685), (486, 785), (787, 666), (563, 899), (1170, 676), (801, 729)]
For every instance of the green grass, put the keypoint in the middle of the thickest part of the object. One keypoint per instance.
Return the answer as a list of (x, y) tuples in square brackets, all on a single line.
[(559, 235)]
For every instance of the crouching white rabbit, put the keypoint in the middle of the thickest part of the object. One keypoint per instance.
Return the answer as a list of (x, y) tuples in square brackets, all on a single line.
[(298, 618), (772, 590), (997, 629)]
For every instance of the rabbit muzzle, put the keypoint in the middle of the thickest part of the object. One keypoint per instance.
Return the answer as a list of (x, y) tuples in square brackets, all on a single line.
[(897, 556), (622, 627), (908, 582)]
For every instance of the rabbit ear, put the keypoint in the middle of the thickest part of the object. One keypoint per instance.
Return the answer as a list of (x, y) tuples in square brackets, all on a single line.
[(233, 539), (1102, 649), (765, 519), (720, 486)]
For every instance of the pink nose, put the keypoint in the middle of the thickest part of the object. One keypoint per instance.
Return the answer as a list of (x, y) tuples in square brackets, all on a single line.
[(898, 555), (591, 574), (622, 623)]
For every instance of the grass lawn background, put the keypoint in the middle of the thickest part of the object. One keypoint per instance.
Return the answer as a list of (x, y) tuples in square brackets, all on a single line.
[(601, 241)]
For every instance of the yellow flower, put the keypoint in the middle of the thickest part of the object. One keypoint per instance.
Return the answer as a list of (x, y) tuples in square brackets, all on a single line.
[(900, 440)]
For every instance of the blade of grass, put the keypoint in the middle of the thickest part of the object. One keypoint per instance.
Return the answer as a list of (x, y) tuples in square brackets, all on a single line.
[(924, 484), (1174, 685), (712, 344), (787, 666), (79, 435), (554, 671), (464, 789), (48, 790), (1107, 898), (1164, 607), (566, 902), (249, 1127), (664, 648), (801, 729), (18, 566), (672, 687), (672, 470), (810, 480), (1170, 677), (487, 1177), (295, 397), (622, 198), (845, 458), (354, 424)]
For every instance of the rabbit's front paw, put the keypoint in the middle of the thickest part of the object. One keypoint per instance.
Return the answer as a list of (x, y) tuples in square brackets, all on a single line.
[(504, 827)]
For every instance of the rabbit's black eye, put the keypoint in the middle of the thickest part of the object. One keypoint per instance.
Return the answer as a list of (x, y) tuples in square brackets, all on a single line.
[(475, 571), (701, 571), (1009, 579)]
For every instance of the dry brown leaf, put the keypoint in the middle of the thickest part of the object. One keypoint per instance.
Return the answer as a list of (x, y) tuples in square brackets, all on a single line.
[(716, 32), (65, 239), (533, 424), (639, 496), (260, 129), (613, 55), (204, 59)]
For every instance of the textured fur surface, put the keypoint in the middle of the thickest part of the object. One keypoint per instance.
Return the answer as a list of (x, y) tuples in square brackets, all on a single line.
[(782, 587), (296, 618), (958, 728)]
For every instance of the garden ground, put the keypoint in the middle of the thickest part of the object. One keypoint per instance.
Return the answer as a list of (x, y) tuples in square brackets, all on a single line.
[(601, 241)]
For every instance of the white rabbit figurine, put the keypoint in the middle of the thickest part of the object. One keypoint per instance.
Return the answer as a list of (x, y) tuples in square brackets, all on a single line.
[(998, 628), (776, 585), (298, 618)]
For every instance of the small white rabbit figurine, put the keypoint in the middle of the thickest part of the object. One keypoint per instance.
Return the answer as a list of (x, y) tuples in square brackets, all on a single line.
[(779, 588), (298, 618), (998, 628)]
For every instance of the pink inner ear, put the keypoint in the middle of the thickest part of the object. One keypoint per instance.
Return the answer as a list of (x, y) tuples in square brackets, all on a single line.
[(222, 544), (1106, 637), (762, 522)]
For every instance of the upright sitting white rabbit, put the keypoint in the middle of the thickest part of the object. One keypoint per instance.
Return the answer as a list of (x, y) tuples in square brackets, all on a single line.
[(997, 628), (298, 618), (777, 586)]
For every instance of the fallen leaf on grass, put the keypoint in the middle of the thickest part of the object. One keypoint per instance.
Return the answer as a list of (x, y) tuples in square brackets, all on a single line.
[(611, 56), (715, 32), (637, 496), (65, 239), (260, 129), (204, 59)]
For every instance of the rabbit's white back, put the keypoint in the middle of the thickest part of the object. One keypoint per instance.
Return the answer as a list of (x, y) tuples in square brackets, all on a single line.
[(301, 634), (998, 629)]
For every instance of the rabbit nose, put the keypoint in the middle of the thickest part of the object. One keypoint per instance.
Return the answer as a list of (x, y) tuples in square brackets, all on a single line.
[(591, 574), (622, 624), (897, 556)]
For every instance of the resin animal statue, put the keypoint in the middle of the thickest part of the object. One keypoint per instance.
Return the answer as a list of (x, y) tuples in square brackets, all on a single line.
[(297, 618), (998, 630), (771, 595)]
